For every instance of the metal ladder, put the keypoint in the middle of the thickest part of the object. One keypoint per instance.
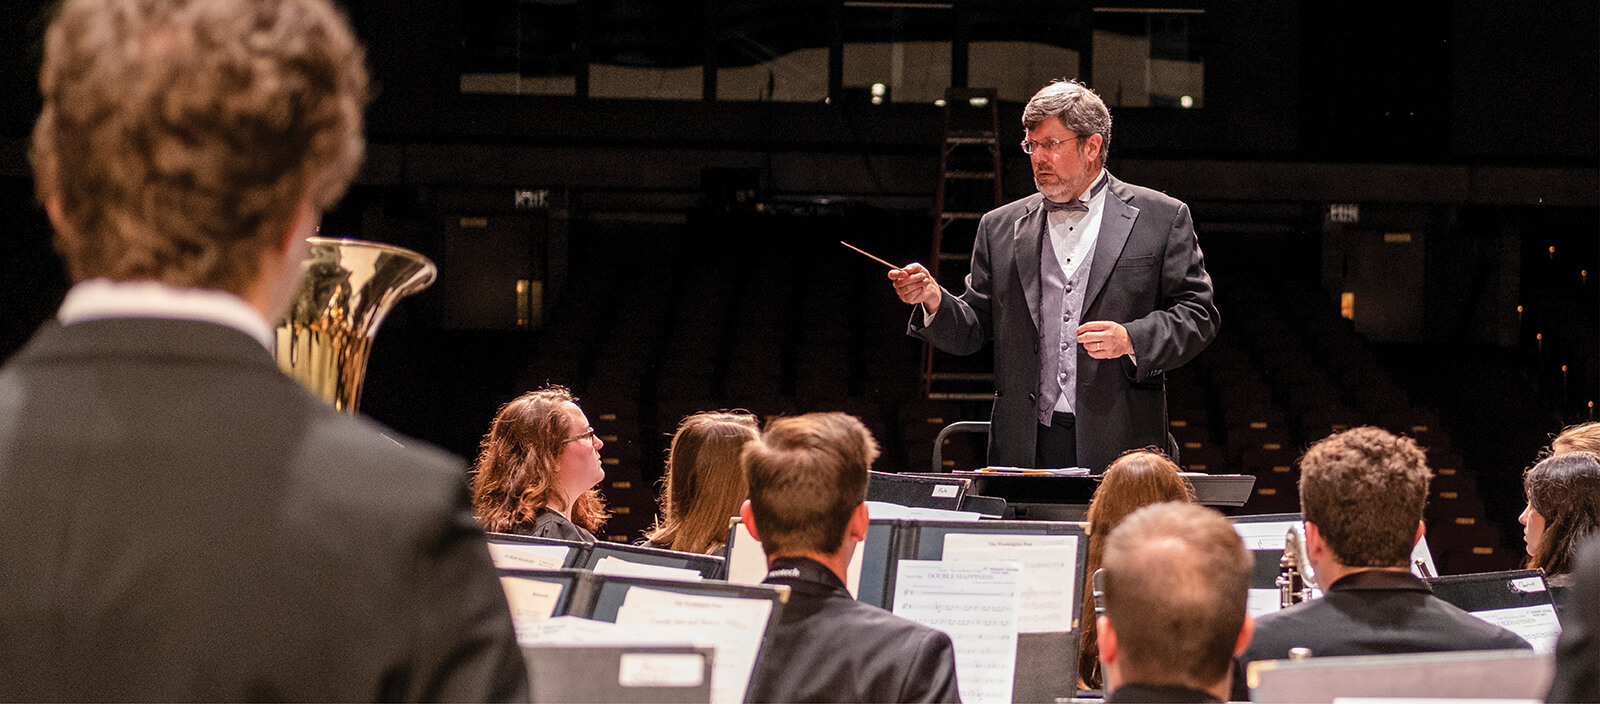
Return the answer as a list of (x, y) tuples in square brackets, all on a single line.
[(969, 186)]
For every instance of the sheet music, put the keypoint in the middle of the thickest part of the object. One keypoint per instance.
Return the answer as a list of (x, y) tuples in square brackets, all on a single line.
[(734, 627), (1260, 602), (572, 630), (1536, 624), (1264, 536), (976, 604), (747, 562), (1420, 551), (884, 509), (530, 600), (528, 557), (617, 566), (1049, 571)]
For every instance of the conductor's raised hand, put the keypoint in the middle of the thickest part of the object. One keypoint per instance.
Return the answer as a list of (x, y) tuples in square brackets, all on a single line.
[(914, 284), (1103, 339)]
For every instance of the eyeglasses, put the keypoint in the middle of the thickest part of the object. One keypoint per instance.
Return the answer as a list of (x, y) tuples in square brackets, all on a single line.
[(589, 436), (1049, 145)]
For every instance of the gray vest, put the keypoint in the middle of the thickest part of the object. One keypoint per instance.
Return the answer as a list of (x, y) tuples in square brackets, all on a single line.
[(1060, 311)]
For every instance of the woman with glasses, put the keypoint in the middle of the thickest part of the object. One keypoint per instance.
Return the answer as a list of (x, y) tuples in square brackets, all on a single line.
[(538, 468), (704, 484)]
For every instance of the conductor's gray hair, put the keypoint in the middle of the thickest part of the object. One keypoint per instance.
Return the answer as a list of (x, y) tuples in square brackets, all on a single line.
[(1079, 108)]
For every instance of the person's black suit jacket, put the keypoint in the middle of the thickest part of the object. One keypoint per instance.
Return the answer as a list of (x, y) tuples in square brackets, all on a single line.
[(828, 647), (1148, 274), (181, 521), (1372, 613), (1577, 677), (1135, 693)]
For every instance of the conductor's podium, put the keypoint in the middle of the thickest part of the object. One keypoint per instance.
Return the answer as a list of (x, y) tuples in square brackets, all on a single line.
[(1032, 495)]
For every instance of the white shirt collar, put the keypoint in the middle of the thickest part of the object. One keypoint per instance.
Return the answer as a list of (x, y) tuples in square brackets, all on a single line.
[(1096, 187), (100, 299)]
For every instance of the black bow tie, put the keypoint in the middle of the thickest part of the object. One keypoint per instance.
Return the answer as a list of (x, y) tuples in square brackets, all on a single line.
[(1051, 206)]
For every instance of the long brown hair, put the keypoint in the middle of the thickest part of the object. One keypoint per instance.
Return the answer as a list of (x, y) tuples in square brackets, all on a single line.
[(1136, 479), (704, 484), (515, 475), (1565, 489)]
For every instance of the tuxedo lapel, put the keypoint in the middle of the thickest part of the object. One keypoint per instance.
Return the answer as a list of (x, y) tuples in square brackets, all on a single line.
[(1116, 223), (1026, 234)]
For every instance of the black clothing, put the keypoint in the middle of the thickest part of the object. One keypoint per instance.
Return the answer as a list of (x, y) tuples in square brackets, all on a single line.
[(831, 648), (549, 523), (184, 522), (1158, 694), (1147, 273), (1057, 444), (1373, 612), (1577, 677)]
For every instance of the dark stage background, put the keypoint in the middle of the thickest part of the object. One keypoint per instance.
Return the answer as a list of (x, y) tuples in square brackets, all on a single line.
[(673, 178)]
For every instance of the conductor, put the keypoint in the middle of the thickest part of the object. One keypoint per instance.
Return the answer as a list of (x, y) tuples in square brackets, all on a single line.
[(1091, 290)]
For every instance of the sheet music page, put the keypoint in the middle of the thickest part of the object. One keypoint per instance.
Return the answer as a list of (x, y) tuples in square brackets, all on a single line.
[(1420, 551), (976, 604), (1536, 624), (623, 568), (530, 600), (1263, 536), (573, 630), (1049, 568), (528, 557), (1260, 602), (733, 626), (747, 562)]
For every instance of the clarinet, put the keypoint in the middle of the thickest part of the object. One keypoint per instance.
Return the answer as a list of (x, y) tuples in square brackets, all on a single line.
[(1294, 576)]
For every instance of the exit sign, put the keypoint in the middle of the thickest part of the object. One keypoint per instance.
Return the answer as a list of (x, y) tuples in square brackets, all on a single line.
[(1344, 212)]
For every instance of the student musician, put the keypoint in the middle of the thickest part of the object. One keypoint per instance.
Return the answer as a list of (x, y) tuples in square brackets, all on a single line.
[(808, 488), (1362, 492), (1176, 577), (182, 521)]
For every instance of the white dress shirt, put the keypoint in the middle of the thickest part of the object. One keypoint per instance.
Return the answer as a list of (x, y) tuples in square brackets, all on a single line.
[(100, 299)]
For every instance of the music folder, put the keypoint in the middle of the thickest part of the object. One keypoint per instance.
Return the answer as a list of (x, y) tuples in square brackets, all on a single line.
[(618, 673), (938, 491), (708, 566), (528, 552), (1517, 600), (1046, 660), (511, 551), (709, 611)]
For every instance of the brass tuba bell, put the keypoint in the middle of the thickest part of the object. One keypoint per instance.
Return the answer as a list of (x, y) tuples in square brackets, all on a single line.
[(325, 337)]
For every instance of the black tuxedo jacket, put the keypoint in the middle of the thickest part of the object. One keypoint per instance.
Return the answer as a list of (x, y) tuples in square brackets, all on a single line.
[(1135, 693), (828, 647), (181, 521), (1371, 613), (1148, 274)]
